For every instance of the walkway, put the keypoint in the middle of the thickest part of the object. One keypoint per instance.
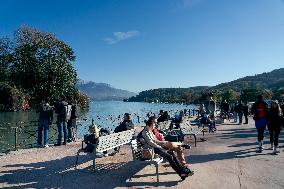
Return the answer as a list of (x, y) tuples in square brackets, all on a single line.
[(227, 159)]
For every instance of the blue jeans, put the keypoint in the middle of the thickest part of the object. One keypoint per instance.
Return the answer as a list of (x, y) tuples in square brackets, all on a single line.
[(42, 124), (62, 125)]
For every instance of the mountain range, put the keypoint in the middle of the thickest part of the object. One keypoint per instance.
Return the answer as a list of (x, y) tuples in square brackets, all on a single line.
[(102, 91)]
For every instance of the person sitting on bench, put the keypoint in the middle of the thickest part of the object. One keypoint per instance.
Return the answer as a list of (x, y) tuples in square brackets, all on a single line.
[(160, 149)]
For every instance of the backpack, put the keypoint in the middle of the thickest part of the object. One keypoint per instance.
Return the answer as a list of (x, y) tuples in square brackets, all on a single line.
[(62, 110)]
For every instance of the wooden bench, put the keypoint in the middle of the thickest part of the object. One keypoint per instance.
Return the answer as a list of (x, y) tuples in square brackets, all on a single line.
[(109, 142), (136, 147)]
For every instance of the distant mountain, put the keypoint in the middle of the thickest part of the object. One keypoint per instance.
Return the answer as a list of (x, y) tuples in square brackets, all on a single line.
[(102, 91)]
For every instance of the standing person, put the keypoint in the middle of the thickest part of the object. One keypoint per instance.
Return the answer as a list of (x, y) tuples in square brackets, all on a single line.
[(45, 119), (239, 110), (260, 112), (245, 111), (282, 108), (274, 124), (226, 107), (211, 109), (152, 142), (235, 114), (72, 128), (61, 111), (202, 109)]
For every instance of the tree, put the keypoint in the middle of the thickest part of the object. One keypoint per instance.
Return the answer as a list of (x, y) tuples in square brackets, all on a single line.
[(5, 59), (42, 65)]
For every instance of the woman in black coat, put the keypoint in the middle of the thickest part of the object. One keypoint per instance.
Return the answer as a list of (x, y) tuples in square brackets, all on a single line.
[(274, 124)]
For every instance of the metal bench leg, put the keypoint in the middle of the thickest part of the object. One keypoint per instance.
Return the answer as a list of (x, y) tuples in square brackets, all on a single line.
[(157, 172), (194, 140), (77, 158), (94, 163)]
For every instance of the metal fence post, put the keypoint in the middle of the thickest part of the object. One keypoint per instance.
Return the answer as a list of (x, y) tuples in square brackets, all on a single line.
[(16, 138)]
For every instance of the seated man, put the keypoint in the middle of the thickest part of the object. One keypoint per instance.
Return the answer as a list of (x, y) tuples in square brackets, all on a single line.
[(127, 124), (160, 149), (205, 119)]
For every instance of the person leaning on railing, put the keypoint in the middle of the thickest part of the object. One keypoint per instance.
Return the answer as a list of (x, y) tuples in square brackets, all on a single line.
[(45, 119)]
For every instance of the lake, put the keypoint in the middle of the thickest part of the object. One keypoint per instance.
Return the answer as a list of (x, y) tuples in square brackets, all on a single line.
[(106, 114)]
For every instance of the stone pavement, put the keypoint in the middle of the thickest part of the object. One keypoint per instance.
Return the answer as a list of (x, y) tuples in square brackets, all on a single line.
[(227, 159)]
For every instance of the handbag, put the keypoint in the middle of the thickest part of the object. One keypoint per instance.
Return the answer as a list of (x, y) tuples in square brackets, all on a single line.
[(146, 154)]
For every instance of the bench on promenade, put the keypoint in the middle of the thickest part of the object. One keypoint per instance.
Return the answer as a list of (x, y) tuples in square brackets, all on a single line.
[(177, 135), (109, 142), (136, 147)]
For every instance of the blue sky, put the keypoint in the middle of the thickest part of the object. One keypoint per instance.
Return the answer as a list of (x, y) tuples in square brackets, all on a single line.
[(144, 44)]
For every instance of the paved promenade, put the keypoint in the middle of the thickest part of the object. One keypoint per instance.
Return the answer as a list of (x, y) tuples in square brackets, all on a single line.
[(227, 159)]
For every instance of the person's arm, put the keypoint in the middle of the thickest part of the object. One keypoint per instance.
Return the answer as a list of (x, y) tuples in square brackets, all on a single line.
[(146, 136)]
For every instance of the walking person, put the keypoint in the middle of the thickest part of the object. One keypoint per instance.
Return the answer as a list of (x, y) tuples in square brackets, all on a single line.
[(274, 124), (260, 113), (239, 110), (61, 111), (45, 119)]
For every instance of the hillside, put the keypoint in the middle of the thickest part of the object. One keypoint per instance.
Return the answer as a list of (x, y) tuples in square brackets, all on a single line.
[(102, 91), (270, 84), (267, 80)]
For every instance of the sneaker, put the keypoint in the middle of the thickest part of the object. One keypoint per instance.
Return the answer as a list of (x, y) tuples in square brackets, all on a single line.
[(57, 144), (186, 173), (46, 146)]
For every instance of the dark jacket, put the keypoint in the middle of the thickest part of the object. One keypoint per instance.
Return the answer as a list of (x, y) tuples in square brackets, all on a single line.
[(45, 112), (274, 120), (245, 110), (61, 110), (256, 111), (124, 126), (239, 108)]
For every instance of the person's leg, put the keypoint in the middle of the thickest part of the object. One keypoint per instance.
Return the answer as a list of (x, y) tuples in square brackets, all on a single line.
[(271, 134), (59, 127), (46, 127), (69, 130), (39, 132), (246, 119), (276, 138), (64, 125), (163, 153), (172, 146), (240, 118)]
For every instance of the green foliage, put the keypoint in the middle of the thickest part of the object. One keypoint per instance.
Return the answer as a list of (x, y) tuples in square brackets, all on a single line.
[(39, 65)]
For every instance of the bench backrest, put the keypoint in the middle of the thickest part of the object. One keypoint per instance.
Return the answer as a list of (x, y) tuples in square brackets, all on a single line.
[(136, 149), (111, 141)]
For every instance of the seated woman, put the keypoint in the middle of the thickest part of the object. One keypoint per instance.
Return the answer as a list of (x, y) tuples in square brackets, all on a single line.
[(160, 149), (172, 146)]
